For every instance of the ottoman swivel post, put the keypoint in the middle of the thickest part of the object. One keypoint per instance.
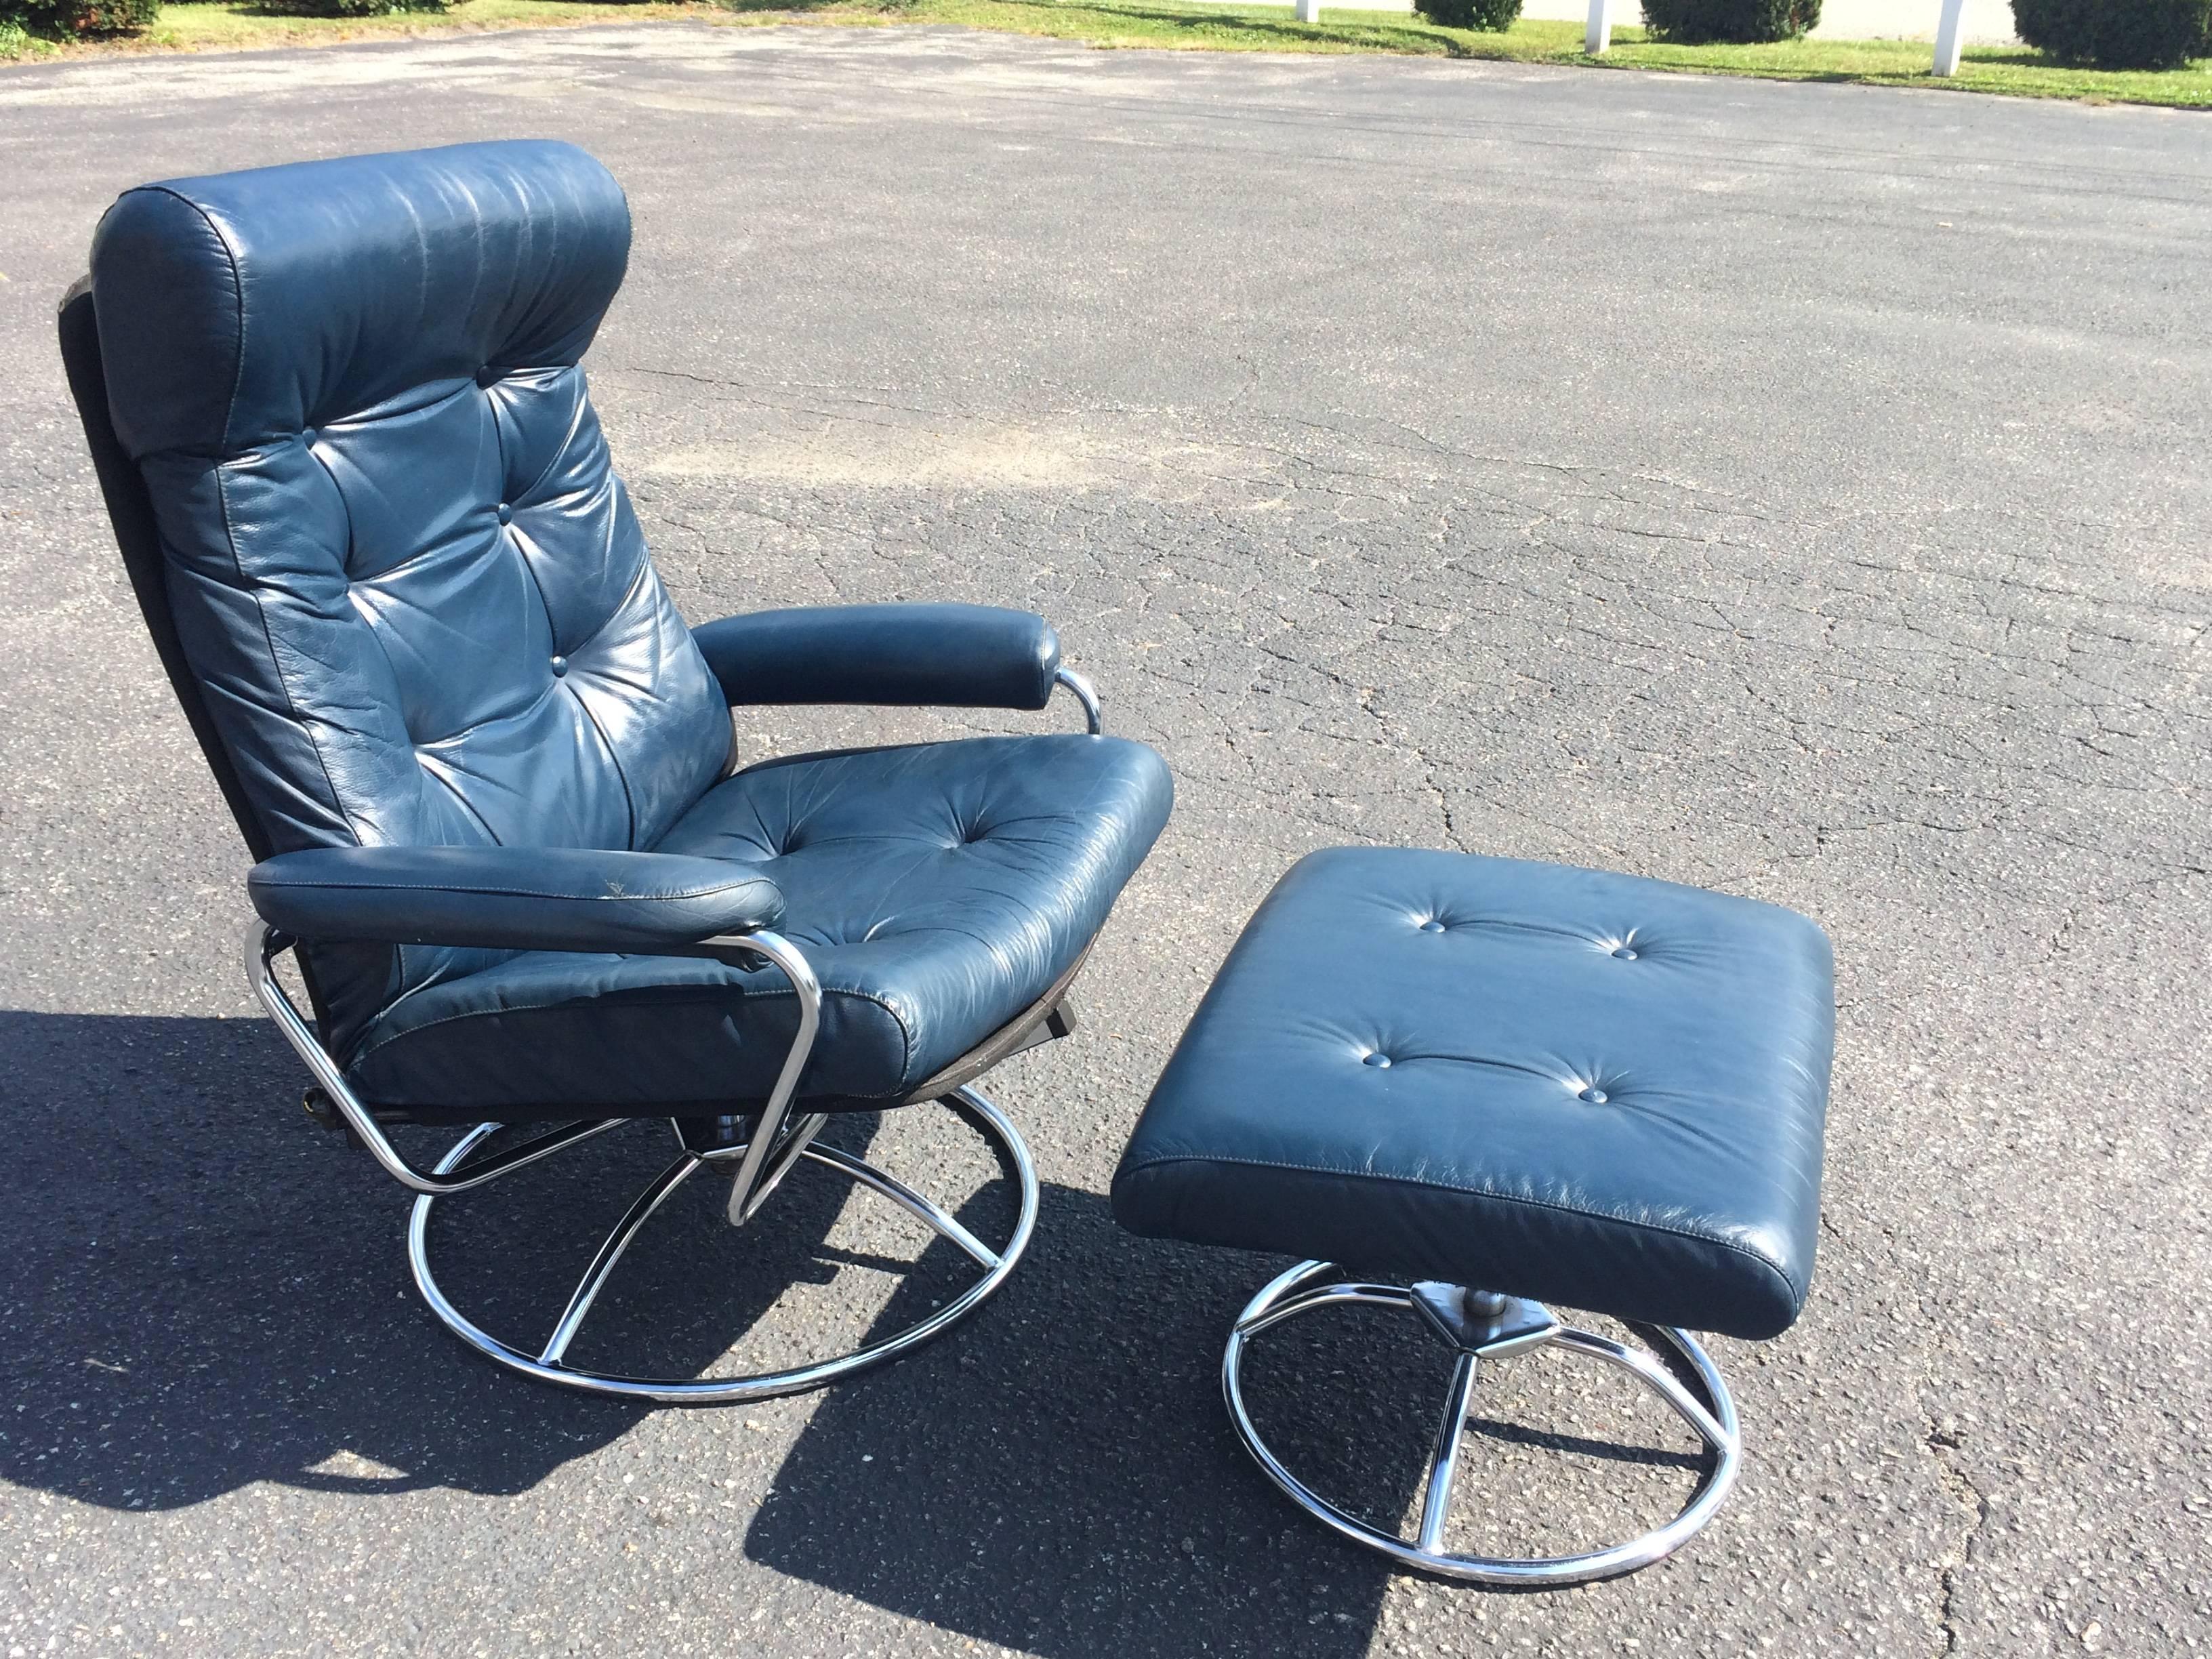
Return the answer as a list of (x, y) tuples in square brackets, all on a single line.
[(1539, 1082)]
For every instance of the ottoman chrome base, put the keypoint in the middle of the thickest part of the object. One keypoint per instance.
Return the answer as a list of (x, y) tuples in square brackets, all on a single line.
[(1482, 1326)]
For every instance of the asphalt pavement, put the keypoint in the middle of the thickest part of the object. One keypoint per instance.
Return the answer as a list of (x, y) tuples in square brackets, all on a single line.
[(1798, 490)]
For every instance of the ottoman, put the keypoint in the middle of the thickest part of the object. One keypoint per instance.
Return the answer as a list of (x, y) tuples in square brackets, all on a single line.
[(1467, 1087)]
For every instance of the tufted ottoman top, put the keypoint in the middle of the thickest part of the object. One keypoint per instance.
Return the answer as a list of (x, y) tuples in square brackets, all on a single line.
[(1556, 1082)]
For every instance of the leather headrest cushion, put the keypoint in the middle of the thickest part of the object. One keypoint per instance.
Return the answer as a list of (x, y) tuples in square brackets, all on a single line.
[(240, 309)]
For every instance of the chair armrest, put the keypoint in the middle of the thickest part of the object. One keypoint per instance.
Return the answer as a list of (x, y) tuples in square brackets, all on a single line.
[(945, 656), (521, 898)]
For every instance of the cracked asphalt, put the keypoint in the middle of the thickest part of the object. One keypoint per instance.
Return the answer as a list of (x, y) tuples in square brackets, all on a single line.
[(1795, 490)]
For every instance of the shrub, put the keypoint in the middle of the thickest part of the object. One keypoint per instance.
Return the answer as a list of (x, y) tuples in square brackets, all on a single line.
[(354, 7), (1693, 23), (1492, 15), (76, 20), (2116, 33)]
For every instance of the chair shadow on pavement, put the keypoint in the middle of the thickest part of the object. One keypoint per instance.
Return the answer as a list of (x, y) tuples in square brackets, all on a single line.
[(1058, 1475), (203, 1289)]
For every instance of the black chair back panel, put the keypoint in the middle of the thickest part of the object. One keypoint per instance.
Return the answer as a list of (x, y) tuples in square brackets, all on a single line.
[(131, 512)]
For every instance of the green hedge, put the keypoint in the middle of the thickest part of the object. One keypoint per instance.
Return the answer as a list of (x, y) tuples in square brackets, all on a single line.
[(1696, 22), (1491, 15), (78, 19), (353, 8), (2148, 35)]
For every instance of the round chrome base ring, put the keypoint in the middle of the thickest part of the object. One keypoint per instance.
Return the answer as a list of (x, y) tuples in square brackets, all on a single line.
[(1707, 1409), (547, 1366)]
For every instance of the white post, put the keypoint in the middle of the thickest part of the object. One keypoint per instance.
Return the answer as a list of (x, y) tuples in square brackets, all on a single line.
[(1599, 35), (1947, 36), (1309, 11)]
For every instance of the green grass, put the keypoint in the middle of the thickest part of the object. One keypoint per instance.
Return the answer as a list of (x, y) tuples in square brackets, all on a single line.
[(245, 25), (1273, 29), (234, 25)]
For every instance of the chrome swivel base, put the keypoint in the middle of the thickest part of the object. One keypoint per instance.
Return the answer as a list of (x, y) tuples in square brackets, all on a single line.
[(549, 1364), (779, 1141), (1481, 1325)]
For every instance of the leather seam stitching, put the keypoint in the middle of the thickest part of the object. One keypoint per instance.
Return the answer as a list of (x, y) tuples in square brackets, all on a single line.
[(436, 773), (568, 441), (568, 437), (614, 756), (1482, 1197), (529, 708)]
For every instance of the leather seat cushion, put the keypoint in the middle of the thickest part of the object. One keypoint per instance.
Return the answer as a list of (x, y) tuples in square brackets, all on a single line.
[(937, 890), (1601, 1090)]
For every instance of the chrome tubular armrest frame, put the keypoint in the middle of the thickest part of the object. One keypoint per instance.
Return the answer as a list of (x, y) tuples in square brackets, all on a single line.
[(768, 1152), (1085, 693)]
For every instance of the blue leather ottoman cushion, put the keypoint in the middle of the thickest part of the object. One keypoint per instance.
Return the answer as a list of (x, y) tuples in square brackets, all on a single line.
[(1586, 1088)]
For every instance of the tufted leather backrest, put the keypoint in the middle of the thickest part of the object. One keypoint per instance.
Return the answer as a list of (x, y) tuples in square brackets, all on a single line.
[(403, 575)]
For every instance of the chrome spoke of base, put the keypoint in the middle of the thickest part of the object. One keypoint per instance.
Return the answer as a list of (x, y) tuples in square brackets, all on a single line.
[(1720, 1435), (922, 1209), (1326, 1295), (1312, 1284), (785, 1158), (588, 1288), (987, 1118), (1443, 1461), (1309, 1284)]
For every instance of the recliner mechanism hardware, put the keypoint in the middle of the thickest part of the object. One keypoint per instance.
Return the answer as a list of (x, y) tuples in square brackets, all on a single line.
[(723, 1133), (323, 1111), (319, 1106)]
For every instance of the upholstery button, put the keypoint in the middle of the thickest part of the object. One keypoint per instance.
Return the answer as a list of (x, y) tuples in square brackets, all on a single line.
[(1383, 1061), (560, 666), (488, 376), (506, 513), (309, 436), (1625, 954), (1432, 927), (1592, 1097)]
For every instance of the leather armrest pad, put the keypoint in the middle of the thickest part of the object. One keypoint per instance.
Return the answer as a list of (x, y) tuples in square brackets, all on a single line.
[(945, 656), (522, 898)]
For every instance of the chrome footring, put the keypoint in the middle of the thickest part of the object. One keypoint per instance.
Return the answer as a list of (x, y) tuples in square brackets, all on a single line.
[(1513, 1327), (549, 1364)]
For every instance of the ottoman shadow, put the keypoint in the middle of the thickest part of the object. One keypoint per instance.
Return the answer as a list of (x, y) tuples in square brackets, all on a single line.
[(1061, 1480)]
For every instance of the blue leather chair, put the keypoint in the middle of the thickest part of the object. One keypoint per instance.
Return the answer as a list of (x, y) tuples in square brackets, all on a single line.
[(339, 420)]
